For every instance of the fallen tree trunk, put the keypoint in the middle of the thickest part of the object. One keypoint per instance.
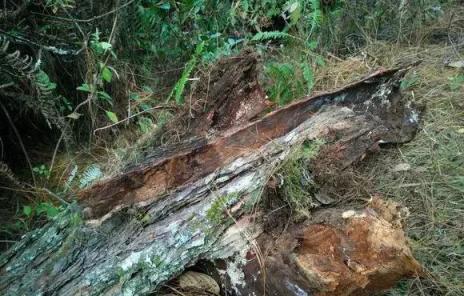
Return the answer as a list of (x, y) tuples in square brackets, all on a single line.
[(193, 202)]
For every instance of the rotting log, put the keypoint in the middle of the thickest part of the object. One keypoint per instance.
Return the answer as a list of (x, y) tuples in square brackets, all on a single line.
[(132, 233)]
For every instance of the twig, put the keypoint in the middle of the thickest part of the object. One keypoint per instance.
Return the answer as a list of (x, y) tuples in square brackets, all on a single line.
[(55, 151), (52, 49), (113, 29), (132, 116), (55, 196), (329, 54), (7, 241), (175, 290), (76, 24), (5, 85), (34, 190), (13, 15), (18, 136), (1, 148)]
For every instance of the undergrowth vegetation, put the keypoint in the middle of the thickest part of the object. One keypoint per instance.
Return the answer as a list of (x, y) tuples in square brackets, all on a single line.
[(83, 84)]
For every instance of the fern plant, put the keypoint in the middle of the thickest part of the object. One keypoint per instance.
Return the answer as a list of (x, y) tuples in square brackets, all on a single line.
[(288, 81), (17, 68), (179, 87), (7, 173), (273, 35), (90, 175)]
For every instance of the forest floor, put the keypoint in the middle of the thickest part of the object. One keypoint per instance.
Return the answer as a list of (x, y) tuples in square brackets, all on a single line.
[(427, 174)]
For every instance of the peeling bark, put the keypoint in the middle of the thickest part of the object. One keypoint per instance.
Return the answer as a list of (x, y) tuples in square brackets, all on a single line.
[(193, 202)]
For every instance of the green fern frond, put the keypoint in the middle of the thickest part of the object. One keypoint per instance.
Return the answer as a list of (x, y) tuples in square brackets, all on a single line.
[(44, 84), (90, 175), (316, 14), (272, 35), (308, 75), (8, 174), (15, 63), (179, 87), (70, 179), (17, 68)]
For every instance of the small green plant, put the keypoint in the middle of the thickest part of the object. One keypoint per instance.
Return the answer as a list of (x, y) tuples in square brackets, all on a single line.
[(456, 81), (298, 187), (47, 209), (42, 171), (283, 85), (409, 81), (216, 212), (102, 52), (90, 175), (100, 47), (179, 87), (289, 81)]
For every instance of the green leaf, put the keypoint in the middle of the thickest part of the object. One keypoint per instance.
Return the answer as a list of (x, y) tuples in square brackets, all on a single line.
[(409, 81), (308, 75), (102, 95), (295, 12), (27, 210), (112, 116), (74, 115), (84, 87), (165, 6), (48, 209), (44, 81), (107, 75), (320, 61), (52, 211), (179, 87), (134, 96), (456, 82), (91, 174), (145, 124), (262, 36), (312, 45), (105, 45)]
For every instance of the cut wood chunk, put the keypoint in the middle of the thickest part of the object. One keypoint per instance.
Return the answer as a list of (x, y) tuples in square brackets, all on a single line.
[(354, 253)]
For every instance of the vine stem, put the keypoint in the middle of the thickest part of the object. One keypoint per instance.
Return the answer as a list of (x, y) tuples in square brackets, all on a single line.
[(18, 136)]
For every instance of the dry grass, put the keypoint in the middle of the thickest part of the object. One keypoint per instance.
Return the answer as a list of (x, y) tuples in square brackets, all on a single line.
[(433, 188)]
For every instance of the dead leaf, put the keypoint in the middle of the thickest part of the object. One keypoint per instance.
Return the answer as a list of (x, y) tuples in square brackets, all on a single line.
[(456, 64), (402, 167), (197, 281), (74, 115)]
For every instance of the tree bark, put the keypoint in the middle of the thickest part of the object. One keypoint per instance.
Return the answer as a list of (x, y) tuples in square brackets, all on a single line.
[(193, 202)]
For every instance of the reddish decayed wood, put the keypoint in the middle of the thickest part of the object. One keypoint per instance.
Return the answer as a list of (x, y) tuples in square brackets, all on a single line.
[(350, 253)]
